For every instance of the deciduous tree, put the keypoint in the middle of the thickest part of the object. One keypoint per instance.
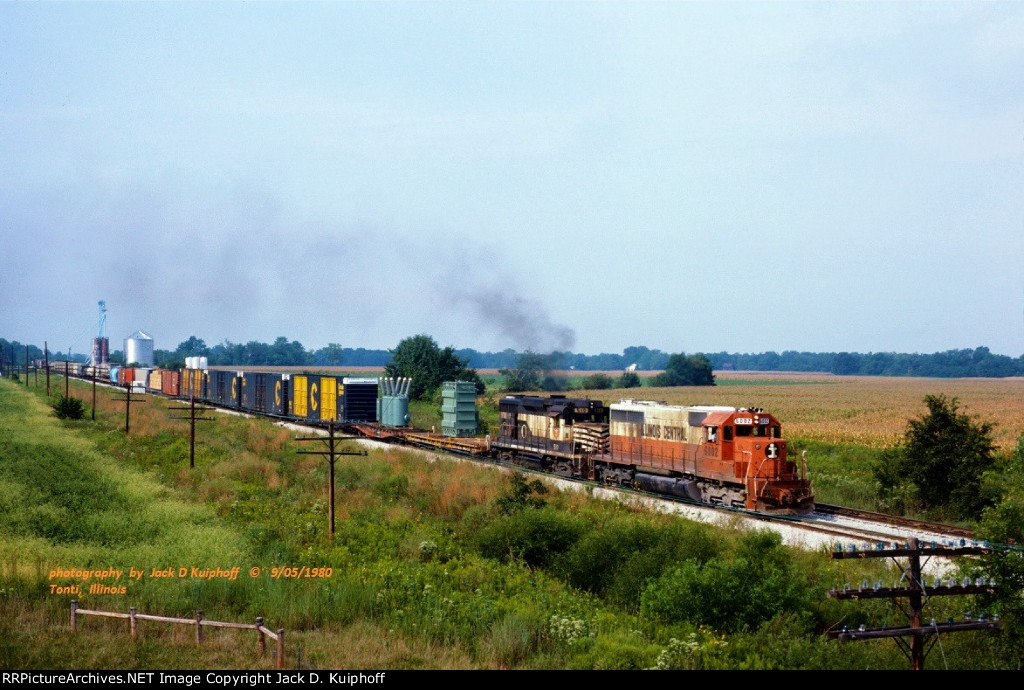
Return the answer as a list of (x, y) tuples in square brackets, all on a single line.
[(683, 370), (419, 358), (940, 463)]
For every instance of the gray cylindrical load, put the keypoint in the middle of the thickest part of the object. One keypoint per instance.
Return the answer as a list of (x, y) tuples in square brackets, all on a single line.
[(394, 410), (394, 404), (138, 348)]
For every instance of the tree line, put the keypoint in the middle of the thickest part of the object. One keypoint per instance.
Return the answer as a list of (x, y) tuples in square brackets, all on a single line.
[(963, 363), (979, 362)]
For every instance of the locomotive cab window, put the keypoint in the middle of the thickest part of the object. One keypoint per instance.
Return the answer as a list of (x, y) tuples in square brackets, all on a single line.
[(712, 434), (727, 433)]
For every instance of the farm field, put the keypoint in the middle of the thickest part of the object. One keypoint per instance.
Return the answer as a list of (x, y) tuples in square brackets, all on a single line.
[(861, 410)]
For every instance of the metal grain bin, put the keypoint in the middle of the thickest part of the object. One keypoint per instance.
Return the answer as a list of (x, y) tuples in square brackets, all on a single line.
[(458, 408), (138, 349)]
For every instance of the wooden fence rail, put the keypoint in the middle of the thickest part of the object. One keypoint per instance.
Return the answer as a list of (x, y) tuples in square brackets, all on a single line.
[(134, 617)]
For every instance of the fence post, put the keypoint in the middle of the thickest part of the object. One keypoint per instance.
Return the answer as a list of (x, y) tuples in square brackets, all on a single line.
[(260, 640), (280, 648), (74, 615), (199, 627), (132, 612)]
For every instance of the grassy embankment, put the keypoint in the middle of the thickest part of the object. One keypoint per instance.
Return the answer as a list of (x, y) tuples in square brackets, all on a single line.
[(435, 564)]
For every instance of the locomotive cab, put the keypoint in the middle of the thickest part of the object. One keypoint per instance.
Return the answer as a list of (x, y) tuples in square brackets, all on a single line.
[(746, 446)]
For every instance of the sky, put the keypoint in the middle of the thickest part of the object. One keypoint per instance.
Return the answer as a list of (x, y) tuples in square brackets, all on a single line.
[(585, 176)]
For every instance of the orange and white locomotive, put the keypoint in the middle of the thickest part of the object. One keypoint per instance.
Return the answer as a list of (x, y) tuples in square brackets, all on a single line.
[(719, 455)]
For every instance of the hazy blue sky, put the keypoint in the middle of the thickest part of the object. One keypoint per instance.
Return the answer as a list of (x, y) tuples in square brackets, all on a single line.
[(687, 176)]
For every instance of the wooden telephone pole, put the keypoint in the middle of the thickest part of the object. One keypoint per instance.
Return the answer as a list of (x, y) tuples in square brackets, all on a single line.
[(127, 400), (331, 452), (192, 411), (916, 594)]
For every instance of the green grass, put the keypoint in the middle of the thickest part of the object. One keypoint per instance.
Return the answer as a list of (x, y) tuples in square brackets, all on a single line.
[(840, 475)]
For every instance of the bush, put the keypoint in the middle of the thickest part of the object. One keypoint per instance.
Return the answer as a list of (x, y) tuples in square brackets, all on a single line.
[(68, 408), (730, 594), (618, 559), (629, 379), (597, 382), (535, 536), (521, 493)]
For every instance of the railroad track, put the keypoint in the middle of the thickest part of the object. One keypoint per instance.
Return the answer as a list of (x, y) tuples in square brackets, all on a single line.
[(909, 524)]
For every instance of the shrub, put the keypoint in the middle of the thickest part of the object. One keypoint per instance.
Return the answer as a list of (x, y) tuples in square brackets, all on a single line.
[(629, 379), (68, 408), (597, 382), (730, 594), (521, 493), (619, 559), (535, 536)]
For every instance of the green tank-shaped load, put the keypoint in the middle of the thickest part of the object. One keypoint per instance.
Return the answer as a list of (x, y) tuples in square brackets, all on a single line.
[(458, 408)]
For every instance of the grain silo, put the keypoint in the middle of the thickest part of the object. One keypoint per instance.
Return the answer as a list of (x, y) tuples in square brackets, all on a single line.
[(138, 349)]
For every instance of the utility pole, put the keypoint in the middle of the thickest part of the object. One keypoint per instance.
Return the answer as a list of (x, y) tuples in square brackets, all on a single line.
[(26, 366), (191, 416), (916, 593), (330, 452), (127, 400), (94, 392)]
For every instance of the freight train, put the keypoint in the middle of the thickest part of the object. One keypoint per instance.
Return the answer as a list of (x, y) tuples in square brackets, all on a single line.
[(311, 398), (717, 455)]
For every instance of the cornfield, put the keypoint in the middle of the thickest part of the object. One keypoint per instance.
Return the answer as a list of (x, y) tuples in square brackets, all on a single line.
[(861, 410)]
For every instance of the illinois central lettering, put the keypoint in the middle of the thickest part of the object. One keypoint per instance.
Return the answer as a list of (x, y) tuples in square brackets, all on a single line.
[(652, 431)]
